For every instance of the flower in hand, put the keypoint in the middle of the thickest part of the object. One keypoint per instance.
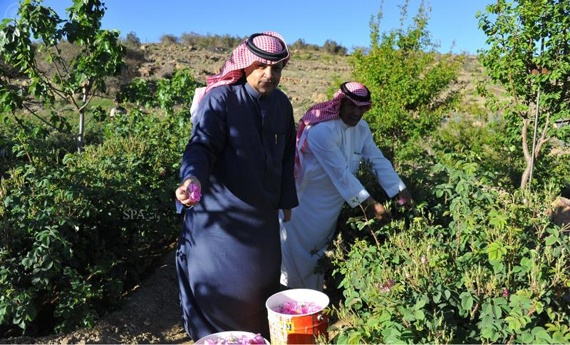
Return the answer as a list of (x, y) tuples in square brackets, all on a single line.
[(189, 192), (405, 198), (194, 192)]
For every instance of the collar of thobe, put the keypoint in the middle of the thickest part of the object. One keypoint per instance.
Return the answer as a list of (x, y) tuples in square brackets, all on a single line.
[(344, 125), (254, 93)]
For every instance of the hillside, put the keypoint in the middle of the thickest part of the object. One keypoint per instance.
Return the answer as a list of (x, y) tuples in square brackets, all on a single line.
[(306, 79)]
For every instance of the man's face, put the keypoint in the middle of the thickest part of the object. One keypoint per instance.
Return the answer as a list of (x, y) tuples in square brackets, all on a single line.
[(264, 78), (350, 113)]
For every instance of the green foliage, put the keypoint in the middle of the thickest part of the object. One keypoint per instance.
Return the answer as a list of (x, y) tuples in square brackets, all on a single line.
[(527, 41), (216, 42), (77, 232), (480, 141), (409, 84), (490, 268), (164, 94), (79, 229), (332, 47), (37, 38), (301, 45), (178, 90), (228, 42)]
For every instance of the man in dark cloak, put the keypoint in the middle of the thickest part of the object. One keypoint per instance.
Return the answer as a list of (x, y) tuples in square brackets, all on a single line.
[(236, 173)]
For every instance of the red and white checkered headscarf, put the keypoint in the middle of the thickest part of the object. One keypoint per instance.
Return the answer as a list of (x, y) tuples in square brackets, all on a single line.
[(330, 110), (267, 47)]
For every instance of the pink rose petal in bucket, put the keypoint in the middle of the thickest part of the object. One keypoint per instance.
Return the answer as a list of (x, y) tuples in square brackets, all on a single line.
[(296, 308)]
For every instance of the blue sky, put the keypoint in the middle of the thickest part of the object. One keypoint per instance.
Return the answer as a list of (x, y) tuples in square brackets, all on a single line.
[(452, 23)]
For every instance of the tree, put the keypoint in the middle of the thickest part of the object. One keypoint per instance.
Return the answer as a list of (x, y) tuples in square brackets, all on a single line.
[(132, 40), (332, 47), (529, 55), (409, 82), (39, 46)]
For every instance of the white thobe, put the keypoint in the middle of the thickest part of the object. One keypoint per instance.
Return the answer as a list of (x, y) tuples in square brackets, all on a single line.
[(198, 95), (331, 158)]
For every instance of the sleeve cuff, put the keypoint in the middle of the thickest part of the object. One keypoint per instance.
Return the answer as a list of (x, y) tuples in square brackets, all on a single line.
[(358, 198)]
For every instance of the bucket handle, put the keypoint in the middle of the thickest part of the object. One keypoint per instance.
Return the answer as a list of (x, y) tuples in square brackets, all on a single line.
[(320, 318)]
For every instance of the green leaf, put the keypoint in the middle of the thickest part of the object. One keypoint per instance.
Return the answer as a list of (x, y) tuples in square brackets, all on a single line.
[(27, 263), (526, 264), (355, 338), (373, 322), (488, 333), (550, 240), (436, 297), (559, 338), (466, 301), (495, 251), (514, 323), (419, 315), (420, 304), (541, 335)]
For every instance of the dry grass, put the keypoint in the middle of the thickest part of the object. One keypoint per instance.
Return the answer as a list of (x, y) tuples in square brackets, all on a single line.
[(307, 78)]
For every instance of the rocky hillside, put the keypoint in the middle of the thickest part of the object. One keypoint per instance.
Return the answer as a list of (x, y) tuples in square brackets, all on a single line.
[(305, 80)]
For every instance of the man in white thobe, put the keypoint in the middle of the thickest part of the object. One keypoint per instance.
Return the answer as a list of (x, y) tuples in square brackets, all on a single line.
[(332, 142)]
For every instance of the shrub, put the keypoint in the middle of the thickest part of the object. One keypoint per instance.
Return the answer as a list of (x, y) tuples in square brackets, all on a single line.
[(79, 229), (168, 39), (332, 47), (495, 272), (75, 237), (132, 40)]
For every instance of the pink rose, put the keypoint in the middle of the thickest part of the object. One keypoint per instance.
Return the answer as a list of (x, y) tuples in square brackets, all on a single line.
[(194, 192)]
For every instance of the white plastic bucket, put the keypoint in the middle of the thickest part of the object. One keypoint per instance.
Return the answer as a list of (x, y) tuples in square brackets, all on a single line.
[(230, 337), (297, 328)]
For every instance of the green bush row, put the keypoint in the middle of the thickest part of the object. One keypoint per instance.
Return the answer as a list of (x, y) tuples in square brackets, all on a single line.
[(475, 261), (80, 229)]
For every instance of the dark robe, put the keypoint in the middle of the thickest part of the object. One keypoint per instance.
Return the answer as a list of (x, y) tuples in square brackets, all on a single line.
[(242, 150)]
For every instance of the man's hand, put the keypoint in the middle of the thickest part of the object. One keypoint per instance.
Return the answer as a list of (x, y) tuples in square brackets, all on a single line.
[(377, 209), (286, 215), (405, 198), (189, 192), (380, 211)]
